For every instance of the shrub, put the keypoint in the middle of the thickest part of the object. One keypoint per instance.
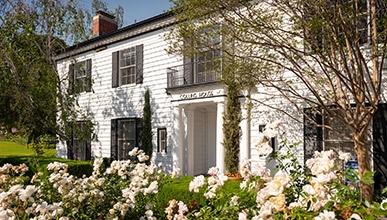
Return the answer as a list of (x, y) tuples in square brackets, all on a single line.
[(135, 190), (80, 169)]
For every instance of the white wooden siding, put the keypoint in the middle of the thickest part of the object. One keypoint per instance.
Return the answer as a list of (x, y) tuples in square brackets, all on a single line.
[(105, 103)]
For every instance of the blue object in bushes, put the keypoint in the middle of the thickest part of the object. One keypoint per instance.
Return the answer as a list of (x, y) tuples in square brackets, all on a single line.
[(352, 164)]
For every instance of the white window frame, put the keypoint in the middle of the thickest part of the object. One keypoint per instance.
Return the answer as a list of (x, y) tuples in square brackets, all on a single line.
[(126, 137), (127, 66), (162, 138)]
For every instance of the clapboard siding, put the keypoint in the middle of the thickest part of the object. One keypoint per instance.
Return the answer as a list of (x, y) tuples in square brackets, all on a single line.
[(105, 103)]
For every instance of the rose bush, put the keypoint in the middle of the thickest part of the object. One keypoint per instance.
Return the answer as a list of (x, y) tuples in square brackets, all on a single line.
[(129, 190)]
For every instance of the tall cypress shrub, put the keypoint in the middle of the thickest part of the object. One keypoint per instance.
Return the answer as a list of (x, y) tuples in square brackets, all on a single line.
[(231, 129), (146, 135)]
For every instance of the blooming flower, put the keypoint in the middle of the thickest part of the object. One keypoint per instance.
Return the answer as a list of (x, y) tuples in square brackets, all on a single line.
[(196, 183), (278, 202), (242, 216), (325, 215), (25, 194), (176, 173), (56, 166), (213, 171), (344, 156), (234, 200), (7, 214), (355, 216), (142, 157), (182, 207)]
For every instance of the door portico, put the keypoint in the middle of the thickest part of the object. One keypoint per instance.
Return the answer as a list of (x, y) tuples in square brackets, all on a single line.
[(198, 136)]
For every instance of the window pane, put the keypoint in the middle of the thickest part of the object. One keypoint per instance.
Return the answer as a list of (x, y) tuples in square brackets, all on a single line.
[(81, 141), (162, 140), (127, 66), (80, 77), (126, 137), (334, 139)]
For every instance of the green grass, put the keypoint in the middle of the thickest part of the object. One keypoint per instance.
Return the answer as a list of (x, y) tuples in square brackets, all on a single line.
[(11, 149)]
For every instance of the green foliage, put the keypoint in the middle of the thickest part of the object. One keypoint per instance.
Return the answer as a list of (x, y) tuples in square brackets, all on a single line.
[(80, 169), (118, 12), (231, 129), (146, 132), (42, 142), (32, 94), (288, 162)]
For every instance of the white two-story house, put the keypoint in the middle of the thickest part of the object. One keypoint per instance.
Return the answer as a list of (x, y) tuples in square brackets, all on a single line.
[(112, 71)]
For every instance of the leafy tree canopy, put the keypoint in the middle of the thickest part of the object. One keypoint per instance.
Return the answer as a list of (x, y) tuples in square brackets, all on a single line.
[(318, 54)]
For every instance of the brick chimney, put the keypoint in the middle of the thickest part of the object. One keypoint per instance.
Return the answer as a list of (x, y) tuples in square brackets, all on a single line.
[(103, 23)]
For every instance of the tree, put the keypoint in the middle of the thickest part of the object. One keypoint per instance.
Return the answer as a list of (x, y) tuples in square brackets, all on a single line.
[(31, 87), (313, 53), (146, 133), (231, 129), (98, 5)]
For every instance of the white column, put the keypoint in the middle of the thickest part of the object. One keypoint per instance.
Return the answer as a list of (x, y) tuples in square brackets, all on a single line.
[(190, 139), (244, 144), (177, 146), (219, 137)]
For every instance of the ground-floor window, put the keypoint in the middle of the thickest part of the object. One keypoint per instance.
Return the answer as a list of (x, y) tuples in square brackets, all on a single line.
[(125, 137), (318, 137), (79, 147), (162, 140)]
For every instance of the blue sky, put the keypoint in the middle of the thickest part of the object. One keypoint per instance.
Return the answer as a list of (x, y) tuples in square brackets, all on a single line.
[(136, 9)]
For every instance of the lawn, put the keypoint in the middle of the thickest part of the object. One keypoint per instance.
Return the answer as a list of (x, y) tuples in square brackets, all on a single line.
[(12, 149)]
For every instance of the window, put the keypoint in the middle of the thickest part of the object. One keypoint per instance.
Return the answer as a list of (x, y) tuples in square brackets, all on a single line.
[(205, 65), (80, 77), (353, 26), (162, 140), (127, 66), (125, 137), (319, 138), (332, 140), (79, 146)]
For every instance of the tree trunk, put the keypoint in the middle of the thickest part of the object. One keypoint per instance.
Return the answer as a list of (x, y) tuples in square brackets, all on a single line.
[(362, 152)]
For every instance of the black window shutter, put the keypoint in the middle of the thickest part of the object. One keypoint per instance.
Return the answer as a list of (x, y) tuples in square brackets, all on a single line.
[(115, 69), (138, 132), (71, 79), (139, 63), (88, 75), (114, 147), (188, 71), (312, 133), (379, 133)]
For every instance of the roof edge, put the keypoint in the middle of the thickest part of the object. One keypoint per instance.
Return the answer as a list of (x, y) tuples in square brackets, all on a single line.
[(165, 20)]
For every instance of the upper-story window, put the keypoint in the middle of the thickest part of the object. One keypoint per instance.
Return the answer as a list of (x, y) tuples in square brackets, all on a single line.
[(80, 77), (205, 65), (127, 66), (353, 26)]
